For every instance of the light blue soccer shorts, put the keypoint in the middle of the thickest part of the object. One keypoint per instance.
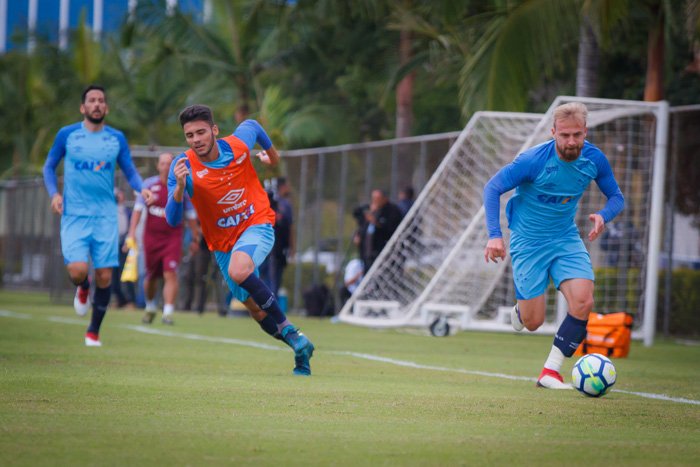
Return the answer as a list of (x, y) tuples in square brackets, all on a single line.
[(93, 236), (256, 241), (535, 261)]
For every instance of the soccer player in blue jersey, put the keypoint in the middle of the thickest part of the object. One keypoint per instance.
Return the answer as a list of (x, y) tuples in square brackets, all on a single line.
[(549, 180), (87, 206)]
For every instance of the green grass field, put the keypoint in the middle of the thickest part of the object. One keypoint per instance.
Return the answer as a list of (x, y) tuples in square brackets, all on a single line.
[(202, 393)]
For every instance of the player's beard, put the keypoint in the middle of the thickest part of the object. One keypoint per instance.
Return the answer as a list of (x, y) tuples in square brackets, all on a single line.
[(569, 154), (95, 120), (206, 153)]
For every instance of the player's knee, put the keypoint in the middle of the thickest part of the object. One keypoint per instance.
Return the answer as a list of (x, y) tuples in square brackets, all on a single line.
[(103, 277), (239, 274), (532, 323), (77, 272), (581, 307)]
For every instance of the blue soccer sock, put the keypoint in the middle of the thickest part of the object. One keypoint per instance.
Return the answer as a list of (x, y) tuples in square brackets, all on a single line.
[(265, 299), (100, 301), (85, 284), (269, 326), (570, 334)]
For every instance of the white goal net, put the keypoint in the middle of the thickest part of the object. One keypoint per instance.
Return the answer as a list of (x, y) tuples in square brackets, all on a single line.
[(434, 265)]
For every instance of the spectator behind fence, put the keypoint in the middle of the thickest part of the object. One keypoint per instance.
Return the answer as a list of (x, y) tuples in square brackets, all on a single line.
[(195, 273), (382, 219), (405, 200), (351, 280), (623, 245), (272, 270), (123, 291)]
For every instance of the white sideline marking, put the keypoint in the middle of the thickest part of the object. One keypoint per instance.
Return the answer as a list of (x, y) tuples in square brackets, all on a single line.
[(12, 314), (61, 319), (376, 358), (663, 397), (198, 337), (419, 366)]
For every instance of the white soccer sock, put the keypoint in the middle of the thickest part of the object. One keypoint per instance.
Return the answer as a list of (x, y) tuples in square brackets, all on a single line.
[(168, 309), (151, 305), (555, 359)]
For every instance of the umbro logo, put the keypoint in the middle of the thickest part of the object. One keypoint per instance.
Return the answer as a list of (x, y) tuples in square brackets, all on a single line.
[(243, 157), (232, 197), (202, 173)]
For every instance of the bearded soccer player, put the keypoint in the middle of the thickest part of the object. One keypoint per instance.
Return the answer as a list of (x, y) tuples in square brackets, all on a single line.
[(162, 244), (235, 215), (550, 179), (88, 207)]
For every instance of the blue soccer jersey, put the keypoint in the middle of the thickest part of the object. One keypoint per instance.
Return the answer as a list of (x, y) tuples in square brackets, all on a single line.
[(548, 190), (90, 162)]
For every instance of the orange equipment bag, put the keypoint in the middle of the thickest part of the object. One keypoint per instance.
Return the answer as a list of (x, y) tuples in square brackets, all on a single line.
[(608, 335)]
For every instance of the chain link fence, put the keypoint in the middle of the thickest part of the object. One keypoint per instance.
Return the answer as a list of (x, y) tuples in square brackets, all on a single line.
[(327, 185)]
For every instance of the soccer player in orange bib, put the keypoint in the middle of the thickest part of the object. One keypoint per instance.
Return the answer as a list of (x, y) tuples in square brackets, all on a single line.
[(235, 215)]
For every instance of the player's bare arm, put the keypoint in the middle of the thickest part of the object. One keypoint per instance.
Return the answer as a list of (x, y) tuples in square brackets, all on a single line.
[(495, 248), (57, 203), (269, 157), (598, 226), (196, 235), (180, 171), (130, 241)]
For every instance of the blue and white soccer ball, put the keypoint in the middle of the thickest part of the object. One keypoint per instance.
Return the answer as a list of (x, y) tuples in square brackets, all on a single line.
[(593, 375)]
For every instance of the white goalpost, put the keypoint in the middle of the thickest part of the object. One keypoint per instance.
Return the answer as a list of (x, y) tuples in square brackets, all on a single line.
[(433, 267)]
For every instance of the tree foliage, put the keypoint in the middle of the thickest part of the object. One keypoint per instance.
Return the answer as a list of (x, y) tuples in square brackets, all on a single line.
[(323, 72)]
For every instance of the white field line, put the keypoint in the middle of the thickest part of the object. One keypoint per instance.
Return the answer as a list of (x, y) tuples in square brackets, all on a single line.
[(12, 314), (364, 356), (198, 337)]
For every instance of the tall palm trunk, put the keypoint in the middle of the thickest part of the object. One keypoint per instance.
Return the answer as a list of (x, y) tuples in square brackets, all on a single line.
[(404, 115), (654, 86), (404, 91), (588, 61)]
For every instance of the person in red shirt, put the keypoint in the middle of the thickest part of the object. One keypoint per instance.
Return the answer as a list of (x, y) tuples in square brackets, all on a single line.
[(162, 244), (235, 214)]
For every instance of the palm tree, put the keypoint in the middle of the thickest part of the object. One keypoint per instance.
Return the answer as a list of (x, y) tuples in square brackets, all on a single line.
[(518, 44), (37, 92)]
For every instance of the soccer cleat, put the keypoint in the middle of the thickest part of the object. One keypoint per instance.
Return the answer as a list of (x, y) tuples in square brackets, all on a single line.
[(148, 316), (303, 349), (92, 340), (551, 379), (167, 320), (81, 302), (515, 319)]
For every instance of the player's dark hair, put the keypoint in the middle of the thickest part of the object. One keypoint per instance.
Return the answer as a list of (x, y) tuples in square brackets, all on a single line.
[(92, 87), (195, 113)]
